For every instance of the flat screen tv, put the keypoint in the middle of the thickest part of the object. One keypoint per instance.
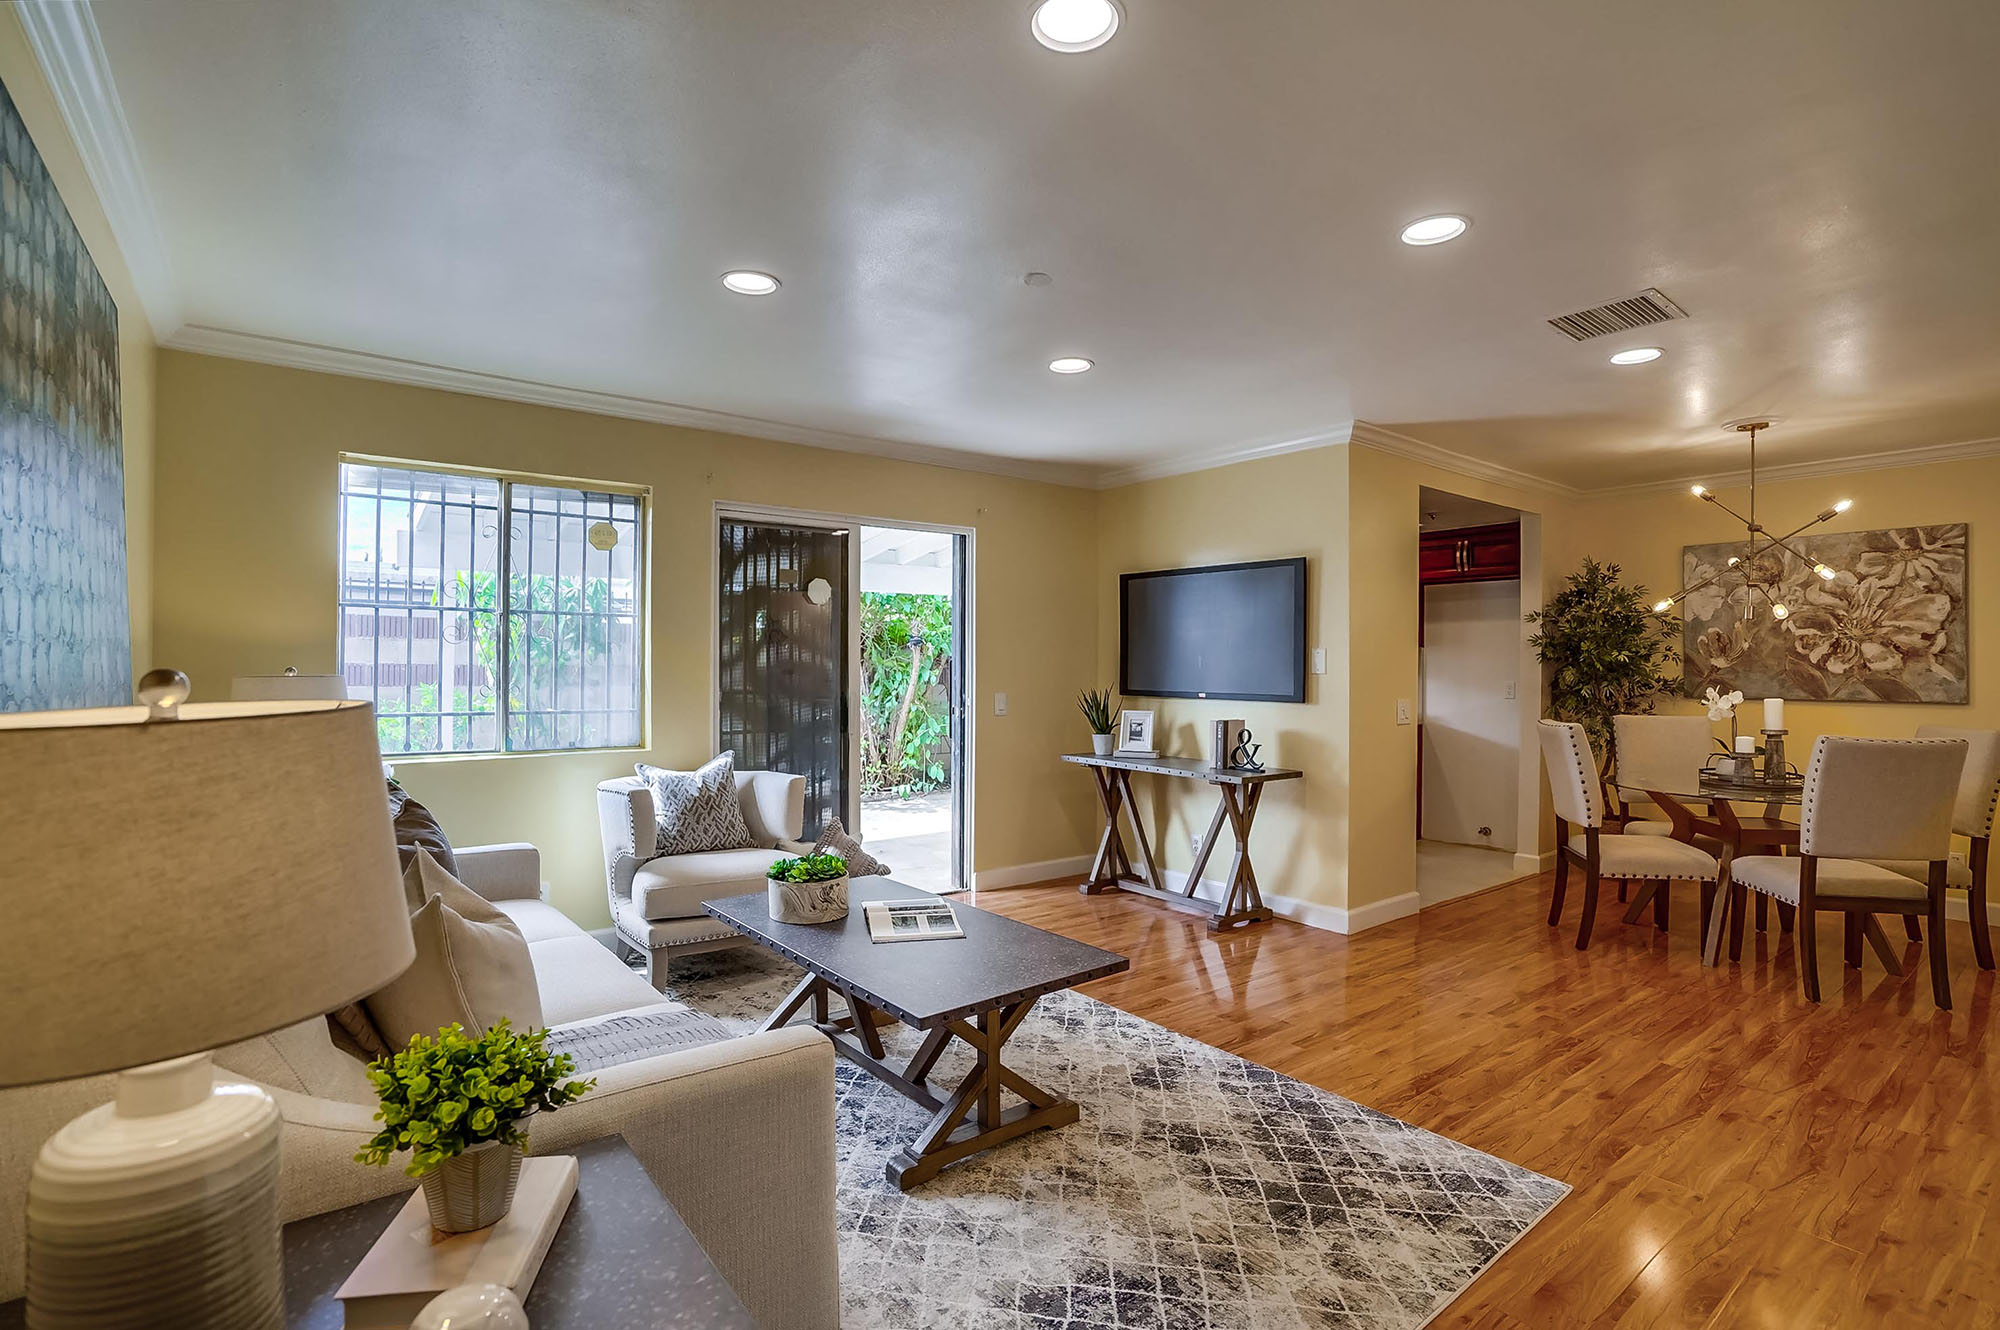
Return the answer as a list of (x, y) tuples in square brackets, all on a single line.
[(1234, 631)]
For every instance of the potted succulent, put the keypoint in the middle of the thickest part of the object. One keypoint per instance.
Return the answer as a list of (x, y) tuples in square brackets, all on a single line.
[(811, 889), (457, 1104), (1095, 704)]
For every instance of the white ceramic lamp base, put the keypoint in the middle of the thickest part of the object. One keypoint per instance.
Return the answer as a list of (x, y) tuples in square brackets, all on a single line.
[(160, 1209)]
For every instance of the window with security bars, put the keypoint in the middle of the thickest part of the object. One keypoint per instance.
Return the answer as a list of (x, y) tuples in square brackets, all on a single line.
[(458, 658)]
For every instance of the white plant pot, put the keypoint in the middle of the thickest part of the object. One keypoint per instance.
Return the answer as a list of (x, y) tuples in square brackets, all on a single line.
[(473, 1190), (1102, 744), (807, 902)]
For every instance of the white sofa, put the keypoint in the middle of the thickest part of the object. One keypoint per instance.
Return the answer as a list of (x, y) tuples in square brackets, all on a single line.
[(656, 902), (738, 1134)]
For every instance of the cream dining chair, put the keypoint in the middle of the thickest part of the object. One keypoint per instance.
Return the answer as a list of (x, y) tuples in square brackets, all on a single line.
[(1865, 801), (1657, 753), (1972, 817), (1579, 804)]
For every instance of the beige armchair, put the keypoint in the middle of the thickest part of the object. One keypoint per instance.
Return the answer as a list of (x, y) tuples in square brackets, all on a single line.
[(656, 900), (1866, 800), (1579, 802)]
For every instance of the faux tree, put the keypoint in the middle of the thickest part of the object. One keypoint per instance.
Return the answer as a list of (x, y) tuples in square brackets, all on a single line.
[(1608, 652)]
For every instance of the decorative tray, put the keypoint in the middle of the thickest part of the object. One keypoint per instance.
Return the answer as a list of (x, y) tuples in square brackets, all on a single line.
[(1715, 782)]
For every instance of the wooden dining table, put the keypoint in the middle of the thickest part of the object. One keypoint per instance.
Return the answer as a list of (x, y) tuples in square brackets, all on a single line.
[(1712, 814)]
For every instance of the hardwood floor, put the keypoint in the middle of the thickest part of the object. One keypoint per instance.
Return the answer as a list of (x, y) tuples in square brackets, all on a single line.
[(1739, 1157)]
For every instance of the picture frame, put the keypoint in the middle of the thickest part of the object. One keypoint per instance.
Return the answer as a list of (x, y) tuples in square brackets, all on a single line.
[(1135, 734)]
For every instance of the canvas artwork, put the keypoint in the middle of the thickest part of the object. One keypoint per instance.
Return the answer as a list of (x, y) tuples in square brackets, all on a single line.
[(65, 636), (1891, 626)]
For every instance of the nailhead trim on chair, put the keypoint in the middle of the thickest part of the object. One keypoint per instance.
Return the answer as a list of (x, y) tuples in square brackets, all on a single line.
[(1574, 736), (1806, 801)]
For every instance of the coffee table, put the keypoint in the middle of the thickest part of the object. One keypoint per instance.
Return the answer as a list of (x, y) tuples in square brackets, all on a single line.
[(977, 988)]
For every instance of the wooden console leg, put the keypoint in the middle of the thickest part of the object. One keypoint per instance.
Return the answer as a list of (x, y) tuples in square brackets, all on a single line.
[(1104, 869)]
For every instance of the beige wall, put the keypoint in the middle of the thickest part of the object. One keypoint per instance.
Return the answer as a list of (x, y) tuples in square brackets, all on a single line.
[(1278, 507), (30, 91), (246, 535), (1644, 534)]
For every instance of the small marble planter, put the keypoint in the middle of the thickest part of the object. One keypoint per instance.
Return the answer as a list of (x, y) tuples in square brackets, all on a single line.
[(473, 1190), (808, 902), (1102, 744)]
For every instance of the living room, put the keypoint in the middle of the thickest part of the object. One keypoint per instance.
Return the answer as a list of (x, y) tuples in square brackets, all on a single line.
[(1111, 309)]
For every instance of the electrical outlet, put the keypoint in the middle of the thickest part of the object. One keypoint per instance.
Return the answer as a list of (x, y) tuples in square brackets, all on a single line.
[(1402, 711), (1194, 842), (1510, 690), (999, 704), (1319, 660)]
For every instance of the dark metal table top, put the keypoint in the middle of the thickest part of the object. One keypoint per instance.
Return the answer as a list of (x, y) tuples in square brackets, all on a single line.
[(1192, 767), (928, 982)]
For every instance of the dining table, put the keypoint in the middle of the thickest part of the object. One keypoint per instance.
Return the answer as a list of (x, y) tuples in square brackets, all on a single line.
[(1709, 811)]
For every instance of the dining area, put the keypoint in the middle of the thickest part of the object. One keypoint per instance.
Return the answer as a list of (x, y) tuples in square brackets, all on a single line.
[(1862, 827)]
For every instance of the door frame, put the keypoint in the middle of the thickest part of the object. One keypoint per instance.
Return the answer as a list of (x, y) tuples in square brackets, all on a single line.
[(722, 510)]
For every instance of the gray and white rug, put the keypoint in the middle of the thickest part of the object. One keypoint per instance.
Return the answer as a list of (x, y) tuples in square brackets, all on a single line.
[(1199, 1190)]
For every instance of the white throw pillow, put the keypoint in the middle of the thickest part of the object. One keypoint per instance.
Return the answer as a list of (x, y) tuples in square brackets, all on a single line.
[(472, 966), (697, 810)]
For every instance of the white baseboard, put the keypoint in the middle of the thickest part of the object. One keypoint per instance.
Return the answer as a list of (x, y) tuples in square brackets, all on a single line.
[(1331, 918), (1526, 863), (1017, 875)]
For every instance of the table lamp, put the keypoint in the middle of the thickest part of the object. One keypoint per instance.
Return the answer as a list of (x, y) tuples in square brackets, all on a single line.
[(291, 686), (179, 877)]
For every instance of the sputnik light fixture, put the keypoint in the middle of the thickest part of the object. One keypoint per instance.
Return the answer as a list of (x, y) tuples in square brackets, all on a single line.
[(1759, 542)]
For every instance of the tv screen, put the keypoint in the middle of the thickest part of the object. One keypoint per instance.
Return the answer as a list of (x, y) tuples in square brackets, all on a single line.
[(1230, 631)]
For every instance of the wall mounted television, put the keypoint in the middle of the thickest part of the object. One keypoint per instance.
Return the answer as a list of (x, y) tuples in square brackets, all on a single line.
[(1230, 631)]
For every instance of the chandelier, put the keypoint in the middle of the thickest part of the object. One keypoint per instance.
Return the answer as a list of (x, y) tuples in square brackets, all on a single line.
[(1756, 577)]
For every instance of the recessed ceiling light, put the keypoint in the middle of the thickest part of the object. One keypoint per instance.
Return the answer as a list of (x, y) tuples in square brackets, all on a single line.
[(1638, 355), (1075, 25), (1435, 230), (746, 282), (1070, 364)]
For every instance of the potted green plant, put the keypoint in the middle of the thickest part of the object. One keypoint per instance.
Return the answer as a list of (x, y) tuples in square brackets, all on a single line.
[(1609, 653), (1099, 714), (811, 889), (457, 1104)]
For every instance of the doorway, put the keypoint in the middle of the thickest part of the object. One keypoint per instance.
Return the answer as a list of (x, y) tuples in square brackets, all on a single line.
[(1471, 686), (843, 655)]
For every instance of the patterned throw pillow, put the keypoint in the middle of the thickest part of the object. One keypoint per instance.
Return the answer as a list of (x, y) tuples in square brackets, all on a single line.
[(835, 840), (697, 810)]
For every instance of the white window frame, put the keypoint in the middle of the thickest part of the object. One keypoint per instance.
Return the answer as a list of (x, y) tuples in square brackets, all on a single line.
[(641, 595)]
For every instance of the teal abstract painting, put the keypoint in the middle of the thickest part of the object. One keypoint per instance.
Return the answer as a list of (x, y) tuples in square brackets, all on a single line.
[(65, 633)]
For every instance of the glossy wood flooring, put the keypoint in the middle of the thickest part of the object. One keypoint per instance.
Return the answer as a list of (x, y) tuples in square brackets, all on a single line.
[(1739, 1157)]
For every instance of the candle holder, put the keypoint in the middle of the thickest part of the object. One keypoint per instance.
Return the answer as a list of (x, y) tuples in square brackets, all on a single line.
[(1774, 755)]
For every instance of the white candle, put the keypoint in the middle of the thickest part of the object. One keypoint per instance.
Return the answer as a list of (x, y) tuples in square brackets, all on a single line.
[(1746, 743), (1774, 713)]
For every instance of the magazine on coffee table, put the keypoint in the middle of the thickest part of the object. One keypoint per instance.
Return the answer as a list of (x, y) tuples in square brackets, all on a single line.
[(911, 921)]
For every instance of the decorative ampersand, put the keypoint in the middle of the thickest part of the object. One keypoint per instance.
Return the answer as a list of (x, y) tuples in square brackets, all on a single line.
[(1243, 757)]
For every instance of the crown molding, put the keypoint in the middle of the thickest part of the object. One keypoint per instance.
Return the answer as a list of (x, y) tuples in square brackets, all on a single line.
[(414, 373), (1114, 477), (64, 37), (1925, 455), (1386, 440)]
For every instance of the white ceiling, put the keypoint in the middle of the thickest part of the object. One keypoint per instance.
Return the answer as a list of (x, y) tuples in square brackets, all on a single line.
[(547, 192)]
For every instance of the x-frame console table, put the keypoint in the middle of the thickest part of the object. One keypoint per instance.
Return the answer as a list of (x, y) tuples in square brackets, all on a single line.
[(977, 988), (1241, 792)]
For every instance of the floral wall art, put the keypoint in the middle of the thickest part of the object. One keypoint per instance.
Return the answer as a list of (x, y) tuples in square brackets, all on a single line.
[(1891, 626)]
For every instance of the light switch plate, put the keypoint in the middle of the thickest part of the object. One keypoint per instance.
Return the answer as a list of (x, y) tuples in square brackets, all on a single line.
[(999, 704), (1402, 711), (1510, 690)]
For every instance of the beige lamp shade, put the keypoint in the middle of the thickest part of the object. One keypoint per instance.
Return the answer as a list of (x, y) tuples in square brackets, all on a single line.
[(291, 686), (173, 885)]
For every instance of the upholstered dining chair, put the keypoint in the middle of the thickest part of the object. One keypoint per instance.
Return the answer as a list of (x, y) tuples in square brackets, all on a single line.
[(1865, 801), (1579, 804), (1972, 817), (1658, 753)]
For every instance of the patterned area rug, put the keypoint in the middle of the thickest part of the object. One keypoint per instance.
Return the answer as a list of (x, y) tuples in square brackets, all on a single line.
[(1199, 1190)]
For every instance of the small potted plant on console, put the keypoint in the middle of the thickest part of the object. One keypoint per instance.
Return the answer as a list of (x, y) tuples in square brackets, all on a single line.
[(1099, 714)]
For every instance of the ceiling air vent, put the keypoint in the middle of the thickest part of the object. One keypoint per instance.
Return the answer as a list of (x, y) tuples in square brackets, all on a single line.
[(1649, 306)]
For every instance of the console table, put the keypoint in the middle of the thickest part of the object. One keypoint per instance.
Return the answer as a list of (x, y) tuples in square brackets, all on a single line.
[(1241, 791)]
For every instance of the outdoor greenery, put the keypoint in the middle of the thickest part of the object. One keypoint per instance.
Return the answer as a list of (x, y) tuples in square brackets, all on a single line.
[(440, 1097), (808, 868), (1095, 704), (1611, 654), (906, 705), (540, 660)]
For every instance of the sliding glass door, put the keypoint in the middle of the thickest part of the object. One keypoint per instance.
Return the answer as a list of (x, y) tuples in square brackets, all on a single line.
[(783, 663)]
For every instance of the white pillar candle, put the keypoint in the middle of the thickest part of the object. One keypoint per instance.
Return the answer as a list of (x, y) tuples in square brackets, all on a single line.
[(1746, 743), (1774, 713)]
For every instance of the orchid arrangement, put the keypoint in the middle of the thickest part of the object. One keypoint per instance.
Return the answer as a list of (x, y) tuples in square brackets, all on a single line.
[(1721, 705)]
